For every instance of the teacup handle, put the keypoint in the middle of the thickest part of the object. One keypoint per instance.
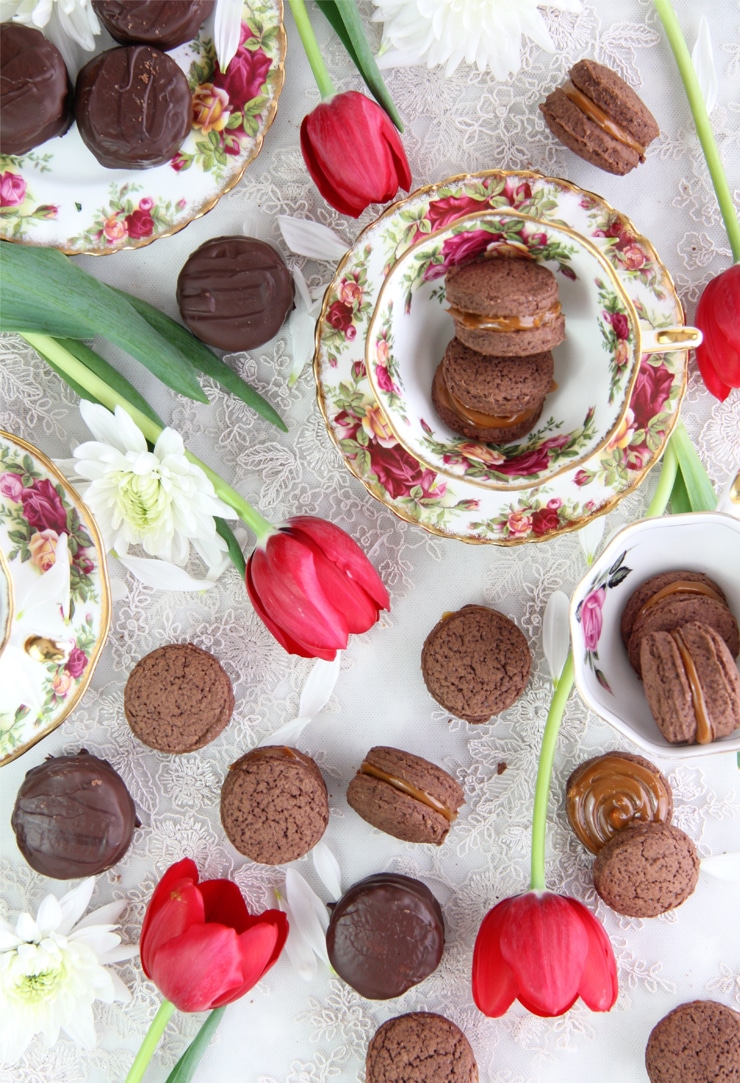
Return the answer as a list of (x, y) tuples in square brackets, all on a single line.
[(666, 339)]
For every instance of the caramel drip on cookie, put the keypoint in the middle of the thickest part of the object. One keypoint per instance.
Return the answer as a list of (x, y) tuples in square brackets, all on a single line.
[(679, 586), (475, 321), (477, 417), (704, 727), (410, 790), (595, 113), (609, 795)]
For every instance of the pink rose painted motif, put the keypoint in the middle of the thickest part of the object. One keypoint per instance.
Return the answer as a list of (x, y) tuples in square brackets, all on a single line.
[(43, 549), (592, 617), (652, 389), (590, 613), (12, 189), (461, 248), (11, 486), (42, 507), (140, 222), (399, 472), (76, 663), (246, 74), (443, 212)]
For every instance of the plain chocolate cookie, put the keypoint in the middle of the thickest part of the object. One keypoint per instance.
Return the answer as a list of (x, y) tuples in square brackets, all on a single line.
[(421, 1047), (646, 869), (475, 663), (405, 796), (698, 1042), (274, 804), (490, 429), (178, 698)]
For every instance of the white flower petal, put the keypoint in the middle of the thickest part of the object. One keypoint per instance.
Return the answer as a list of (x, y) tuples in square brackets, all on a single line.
[(104, 915), (319, 686), (49, 917), (308, 238), (723, 867), (227, 22), (590, 535), (162, 575), (328, 869), (287, 734), (74, 904), (703, 59), (306, 913), (555, 634), (81, 1028)]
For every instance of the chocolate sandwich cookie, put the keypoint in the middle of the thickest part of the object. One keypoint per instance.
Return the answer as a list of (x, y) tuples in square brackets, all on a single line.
[(493, 399), (178, 698), (505, 307), (608, 793), (646, 869), (385, 935), (661, 605), (475, 663), (421, 1047), (162, 23), (274, 804), (133, 107), (73, 817), (691, 683), (235, 293), (35, 91), (698, 1042), (405, 796), (600, 118)]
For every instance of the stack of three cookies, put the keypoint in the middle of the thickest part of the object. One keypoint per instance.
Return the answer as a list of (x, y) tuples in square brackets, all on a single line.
[(492, 381)]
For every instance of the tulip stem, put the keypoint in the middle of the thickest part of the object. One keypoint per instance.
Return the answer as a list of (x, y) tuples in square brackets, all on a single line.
[(544, 773), (151, 1040), (701, 120), (101, 391), (664, 488), (311, 47)]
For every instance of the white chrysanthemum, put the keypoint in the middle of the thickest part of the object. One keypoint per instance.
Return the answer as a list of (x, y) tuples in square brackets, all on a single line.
[(157, 499), (487, 33), (52, 968), (70, 24)]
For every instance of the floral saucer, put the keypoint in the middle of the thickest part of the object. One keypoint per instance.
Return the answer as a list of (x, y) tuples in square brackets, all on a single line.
[(37, 506), (58, 195), (458, 507)]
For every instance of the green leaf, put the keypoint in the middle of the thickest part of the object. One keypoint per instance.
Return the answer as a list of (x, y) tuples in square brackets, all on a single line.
[(699, 492), (235, 554), (679, 498), (185, 1068), (204, 360), (45, 291), (346, 23), (106, 372)]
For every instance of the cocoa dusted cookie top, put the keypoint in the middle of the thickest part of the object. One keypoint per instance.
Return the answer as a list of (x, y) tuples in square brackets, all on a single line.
[(475, 663), (698, 1042), (646, 870), (421, 1047), (274, 804), (178, 698)]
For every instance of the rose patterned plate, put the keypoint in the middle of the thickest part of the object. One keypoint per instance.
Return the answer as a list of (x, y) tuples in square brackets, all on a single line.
[(457, 507), (37, 505), (59, 196)]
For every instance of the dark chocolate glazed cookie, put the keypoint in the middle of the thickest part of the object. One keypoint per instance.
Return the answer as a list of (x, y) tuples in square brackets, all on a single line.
[(133, 107), (421, 1047), (646, 869), (386, 934), (698, 1042), (163, 23), (35, 91)]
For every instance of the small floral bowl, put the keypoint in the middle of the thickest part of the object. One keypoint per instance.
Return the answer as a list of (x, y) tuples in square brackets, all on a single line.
[(595, 368), (702, 541)]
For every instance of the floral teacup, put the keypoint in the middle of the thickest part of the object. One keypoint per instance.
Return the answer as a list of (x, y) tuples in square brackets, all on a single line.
[(702, 541), (595, 368)]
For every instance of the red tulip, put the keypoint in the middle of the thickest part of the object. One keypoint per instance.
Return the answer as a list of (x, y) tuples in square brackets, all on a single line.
[(199, 943), (545, 951), (353, 153), (312, 585), (718, 317)]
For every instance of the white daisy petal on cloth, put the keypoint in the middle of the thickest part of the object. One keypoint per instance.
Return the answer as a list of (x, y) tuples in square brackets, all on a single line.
[(308, 920), (703, 61), (328, 869), (555, 633), (162, 574), (723, 867), (314, 697), (590, 535), (308, 238)]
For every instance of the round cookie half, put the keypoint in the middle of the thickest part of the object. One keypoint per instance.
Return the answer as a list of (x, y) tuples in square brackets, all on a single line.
[(698, 1042), (691, 683), (658, 586), (475, 663), (608, 793), (274, 804), (646, 869), (35, 91), (405, 796), (162, 23), (385, 935), (484, 429), (421, 1047), (178, 698), (676, 610)]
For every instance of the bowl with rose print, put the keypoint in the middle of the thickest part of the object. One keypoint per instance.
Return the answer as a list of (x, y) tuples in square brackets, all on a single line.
[(706, 542), (595, 367), (46, 659)]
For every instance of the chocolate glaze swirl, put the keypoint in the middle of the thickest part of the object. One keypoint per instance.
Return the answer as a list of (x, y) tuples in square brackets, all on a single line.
[(608, 793)]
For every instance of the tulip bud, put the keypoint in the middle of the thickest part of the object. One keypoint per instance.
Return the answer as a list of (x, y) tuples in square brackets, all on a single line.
[(718, 318), (353, 153)]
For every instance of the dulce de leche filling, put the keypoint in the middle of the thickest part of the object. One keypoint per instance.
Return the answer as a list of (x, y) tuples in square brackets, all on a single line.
[(704, 727), (595, 113), (679, 586), (476, 321), (410, 790), (611, 793), (476, 417)]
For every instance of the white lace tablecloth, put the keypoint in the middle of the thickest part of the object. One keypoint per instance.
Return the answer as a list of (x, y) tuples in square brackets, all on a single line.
[(287, 1030)]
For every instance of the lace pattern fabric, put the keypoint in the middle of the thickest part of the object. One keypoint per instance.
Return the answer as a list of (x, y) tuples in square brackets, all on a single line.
[(286, 1030)]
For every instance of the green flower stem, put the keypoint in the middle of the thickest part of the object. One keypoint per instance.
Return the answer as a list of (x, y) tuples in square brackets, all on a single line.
[(311, 46), (151, 1040), (563, 689), (82, 376), (701, 120)]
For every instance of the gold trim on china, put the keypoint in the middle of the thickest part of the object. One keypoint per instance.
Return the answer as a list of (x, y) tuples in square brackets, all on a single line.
[(105, 599), (208, 205), (8, 580), (571, 464), (390, 210)]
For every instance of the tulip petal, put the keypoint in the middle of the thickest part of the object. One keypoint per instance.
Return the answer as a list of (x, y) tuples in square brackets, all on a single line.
[(168, 918), (598, 986), (224, 904), (286, 641), (201, 968), (358, 610), (494, 986), (259, 947), (344, 551)]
